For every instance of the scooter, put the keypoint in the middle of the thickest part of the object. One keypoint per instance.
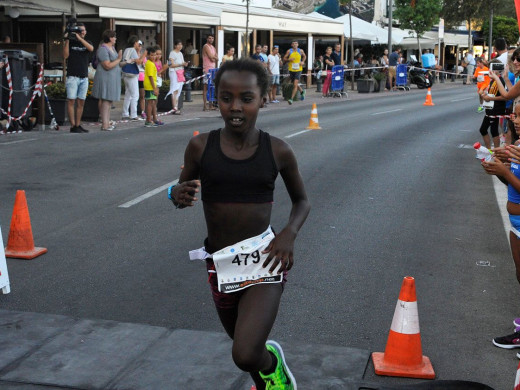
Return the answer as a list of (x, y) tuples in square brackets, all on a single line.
[(422, 78)]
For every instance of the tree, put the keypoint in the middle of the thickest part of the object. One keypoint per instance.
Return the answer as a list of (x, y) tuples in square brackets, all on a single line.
[(417, 15), (503, 26)]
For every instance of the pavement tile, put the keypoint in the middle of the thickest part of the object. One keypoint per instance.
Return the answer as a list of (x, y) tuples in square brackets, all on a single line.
[(21, 333), (88, 355), (185, 360)]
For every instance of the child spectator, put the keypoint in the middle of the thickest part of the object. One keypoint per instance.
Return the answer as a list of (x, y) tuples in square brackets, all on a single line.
[(151, 90)]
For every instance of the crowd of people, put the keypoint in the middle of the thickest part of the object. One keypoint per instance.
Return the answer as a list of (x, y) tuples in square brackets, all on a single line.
[(141, 70), (501, 90)]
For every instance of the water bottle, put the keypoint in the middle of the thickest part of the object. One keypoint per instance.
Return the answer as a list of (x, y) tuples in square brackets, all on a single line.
[(483, 153)]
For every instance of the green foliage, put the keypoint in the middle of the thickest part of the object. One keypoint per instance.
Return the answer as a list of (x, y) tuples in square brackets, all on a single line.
[(456, 12), (56, 91), (378, 76), (420, 18), (165, 87), (503, 26)]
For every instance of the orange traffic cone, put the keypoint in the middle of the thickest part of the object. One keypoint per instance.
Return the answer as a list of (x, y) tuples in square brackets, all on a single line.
[(313, 122), (429, 101), (403, 353), (195, 133), (517, 378), (20, 243)]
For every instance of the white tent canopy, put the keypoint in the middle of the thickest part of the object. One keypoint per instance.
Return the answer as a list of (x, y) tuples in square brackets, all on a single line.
[(360, 28)]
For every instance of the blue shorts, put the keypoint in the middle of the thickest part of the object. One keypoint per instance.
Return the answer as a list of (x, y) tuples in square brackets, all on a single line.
[(275, 79), (515, 224), (76, 87)]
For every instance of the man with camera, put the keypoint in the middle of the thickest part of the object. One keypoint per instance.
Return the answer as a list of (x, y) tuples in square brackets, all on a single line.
[(76, 50)]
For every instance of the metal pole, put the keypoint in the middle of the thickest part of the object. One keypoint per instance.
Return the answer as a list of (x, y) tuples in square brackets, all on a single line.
[(169, 26), (73, 9), (390, 12), (490, 31), (351, 48)]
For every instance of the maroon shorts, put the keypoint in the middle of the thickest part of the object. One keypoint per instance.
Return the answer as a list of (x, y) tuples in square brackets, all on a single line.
[(227, 300)]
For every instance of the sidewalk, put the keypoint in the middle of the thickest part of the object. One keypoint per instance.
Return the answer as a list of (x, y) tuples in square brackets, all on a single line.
[(45, 351), (193, 110)]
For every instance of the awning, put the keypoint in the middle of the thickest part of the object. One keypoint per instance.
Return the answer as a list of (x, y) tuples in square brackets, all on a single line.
[(408, 40), (22, 4), (363, 30)]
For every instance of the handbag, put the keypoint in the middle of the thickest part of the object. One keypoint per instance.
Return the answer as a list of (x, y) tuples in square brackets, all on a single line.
[(131, 69), (180, 75)]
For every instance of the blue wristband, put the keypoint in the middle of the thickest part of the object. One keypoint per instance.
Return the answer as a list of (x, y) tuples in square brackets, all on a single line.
[(170, 192)]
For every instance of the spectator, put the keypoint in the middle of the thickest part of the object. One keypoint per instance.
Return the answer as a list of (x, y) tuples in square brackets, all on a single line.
[(295, 57), (384, 64), (505, 166), (151, 90), (336, 55), (161, 68), (130, 78), (177, 65), (257, 54), (498, 108), (7, 38), (482, 80), (230, 54), (140, 79), (76, 50), (107, 81), (209, 60), (328, 64), (393, 60), (273, 61), (469, 60), (317, 68), (484, 55), (188, 49), (264, 54), (501, 49)]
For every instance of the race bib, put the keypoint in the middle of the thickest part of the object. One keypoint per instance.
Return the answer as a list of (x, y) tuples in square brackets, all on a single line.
[(295, 66), (239, 266), (480, 78)]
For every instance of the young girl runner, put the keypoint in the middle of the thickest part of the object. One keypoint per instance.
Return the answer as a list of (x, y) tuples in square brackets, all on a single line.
[(509, 174), (235, 168)]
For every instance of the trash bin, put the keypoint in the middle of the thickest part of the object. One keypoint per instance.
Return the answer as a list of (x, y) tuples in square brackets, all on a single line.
[(23, 67)]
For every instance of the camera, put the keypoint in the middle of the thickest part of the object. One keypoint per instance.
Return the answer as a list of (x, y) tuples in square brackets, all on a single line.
[(71, 29), (497, 67)]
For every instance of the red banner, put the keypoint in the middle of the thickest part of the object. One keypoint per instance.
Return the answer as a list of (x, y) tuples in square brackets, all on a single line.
[(517, 6)]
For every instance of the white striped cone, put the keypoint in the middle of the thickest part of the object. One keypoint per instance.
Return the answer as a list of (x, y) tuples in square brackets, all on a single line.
[(517, 378), (313, 122)]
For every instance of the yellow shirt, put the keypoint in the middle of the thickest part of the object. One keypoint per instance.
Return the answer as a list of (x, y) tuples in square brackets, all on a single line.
[(149, 70), (294, 61)]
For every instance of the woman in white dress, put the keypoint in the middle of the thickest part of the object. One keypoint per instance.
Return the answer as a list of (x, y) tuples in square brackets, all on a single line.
[(176, 63)]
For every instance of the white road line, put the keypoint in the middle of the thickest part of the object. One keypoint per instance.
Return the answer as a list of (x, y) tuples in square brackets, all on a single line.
[(295, 134), (386, 112), (464, 146), (460, 100), (189, 119), (17, 142), (501, 194), (149, 194)]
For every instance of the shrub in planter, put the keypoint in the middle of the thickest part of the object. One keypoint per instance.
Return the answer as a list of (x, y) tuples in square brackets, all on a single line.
[(365, 85), (57, 95), (380, 81)]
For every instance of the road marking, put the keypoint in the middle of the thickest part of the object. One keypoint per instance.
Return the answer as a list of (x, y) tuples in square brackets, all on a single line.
[(501, 194), (460, 100), (466, 131), (149, 194), (186, 120), (295, 134), (464, 146), (386, 112), (17, 142)]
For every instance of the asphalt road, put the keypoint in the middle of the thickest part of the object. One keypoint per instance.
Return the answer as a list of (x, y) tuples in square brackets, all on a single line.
[(395, 192)]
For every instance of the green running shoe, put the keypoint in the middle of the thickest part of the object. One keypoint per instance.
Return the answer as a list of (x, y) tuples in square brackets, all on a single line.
[(289, 101), (281, 378), (480, 109), (302, 95)]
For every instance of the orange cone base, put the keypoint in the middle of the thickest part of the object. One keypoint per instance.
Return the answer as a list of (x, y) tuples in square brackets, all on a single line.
[(428, 104), (313, 127), (422, 371), (26, 255)]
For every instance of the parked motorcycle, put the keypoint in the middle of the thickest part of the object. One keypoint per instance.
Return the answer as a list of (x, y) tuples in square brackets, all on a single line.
[(420, 77)]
